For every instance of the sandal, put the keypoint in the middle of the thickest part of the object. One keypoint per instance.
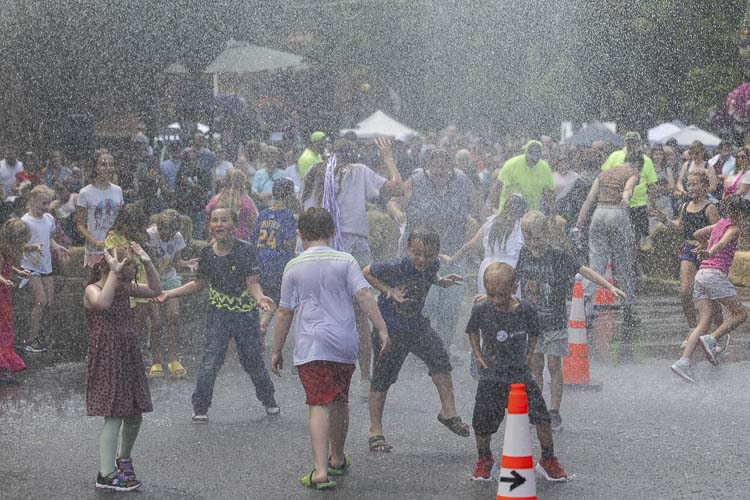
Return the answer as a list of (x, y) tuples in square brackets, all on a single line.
[(307, 482), (156, 371), (455, 424), (378, 443), (176, 369), (341, 469)]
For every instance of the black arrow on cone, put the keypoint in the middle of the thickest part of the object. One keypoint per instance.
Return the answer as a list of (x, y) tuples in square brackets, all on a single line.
[(516, 481)]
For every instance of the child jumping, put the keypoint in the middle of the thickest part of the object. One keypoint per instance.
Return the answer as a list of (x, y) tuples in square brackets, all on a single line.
[(229, 268), (712, 283), (37, 259), (503, 332), (546, 275), (403, 285), (116, 384), (318, 290), (166, 242), (14, 234), (275, 238)]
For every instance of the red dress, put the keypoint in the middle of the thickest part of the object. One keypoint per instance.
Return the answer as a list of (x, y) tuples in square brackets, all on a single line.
[(116, 384), (8, 357)]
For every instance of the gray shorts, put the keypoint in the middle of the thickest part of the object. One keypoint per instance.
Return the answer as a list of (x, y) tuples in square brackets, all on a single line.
[(358, 246), (712, 284), (553, 343)]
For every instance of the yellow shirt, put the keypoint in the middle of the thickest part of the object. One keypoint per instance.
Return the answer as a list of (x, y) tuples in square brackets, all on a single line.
[(528, 182), (306, 160)]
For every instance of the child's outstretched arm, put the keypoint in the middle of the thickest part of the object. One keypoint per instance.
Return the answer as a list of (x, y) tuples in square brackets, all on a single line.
[(62, 252), (100, 299), (597, 278), (472, 244), (395, 294), (368, 304), (152, 288), (730, 235), (449, 281), (253, 287), (188, 288)]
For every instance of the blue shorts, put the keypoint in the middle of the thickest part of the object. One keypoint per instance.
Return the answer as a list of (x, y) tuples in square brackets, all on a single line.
[(685, 253)]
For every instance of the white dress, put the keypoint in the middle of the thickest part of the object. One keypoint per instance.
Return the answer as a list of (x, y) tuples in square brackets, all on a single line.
[(508, 254)]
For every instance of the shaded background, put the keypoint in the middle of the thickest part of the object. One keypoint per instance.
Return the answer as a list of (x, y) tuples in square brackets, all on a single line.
[(495, 68)]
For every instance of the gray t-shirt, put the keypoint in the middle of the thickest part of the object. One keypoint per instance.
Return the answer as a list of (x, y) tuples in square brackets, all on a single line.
[(504, 337), (358, 186), (445, 211)]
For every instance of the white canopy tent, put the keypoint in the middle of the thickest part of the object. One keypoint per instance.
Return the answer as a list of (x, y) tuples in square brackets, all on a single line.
[(379, 124), (688, 135), (659, 132)]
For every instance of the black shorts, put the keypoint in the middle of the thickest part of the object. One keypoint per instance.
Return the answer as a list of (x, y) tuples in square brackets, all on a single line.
[(423, 342), (639, 222), (492, 400)]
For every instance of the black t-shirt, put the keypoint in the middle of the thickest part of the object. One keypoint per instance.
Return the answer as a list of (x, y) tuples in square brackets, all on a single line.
[(416, 285), (546, 282), (504, 337), (226, 276)]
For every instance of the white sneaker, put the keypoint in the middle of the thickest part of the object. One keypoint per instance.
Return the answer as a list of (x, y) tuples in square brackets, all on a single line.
[(684, 370), (708, 344)]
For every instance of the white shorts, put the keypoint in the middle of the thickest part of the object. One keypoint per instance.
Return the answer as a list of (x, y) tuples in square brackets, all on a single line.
[(712, 284), (553, 343)]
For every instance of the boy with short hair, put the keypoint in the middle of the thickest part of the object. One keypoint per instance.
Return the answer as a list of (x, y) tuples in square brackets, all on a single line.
[(403, 284), (499, 329), (318, 289), (546, 275)]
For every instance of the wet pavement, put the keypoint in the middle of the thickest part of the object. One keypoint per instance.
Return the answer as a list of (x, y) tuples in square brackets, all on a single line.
[(645, 435)]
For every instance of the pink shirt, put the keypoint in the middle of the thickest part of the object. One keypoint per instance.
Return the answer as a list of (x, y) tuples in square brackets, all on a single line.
[(247, 215), (722, 260)]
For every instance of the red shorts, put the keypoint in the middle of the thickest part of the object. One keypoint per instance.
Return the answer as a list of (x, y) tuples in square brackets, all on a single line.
[(324, 381)]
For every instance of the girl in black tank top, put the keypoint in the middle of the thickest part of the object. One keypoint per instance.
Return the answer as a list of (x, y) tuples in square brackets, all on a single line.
[(692, 221)]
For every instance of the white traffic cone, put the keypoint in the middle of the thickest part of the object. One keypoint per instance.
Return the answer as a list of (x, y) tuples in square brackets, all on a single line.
[(517, 478)]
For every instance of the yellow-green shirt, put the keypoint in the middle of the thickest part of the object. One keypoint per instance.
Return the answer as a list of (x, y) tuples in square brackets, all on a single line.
[(648, 176), (306, 160), (528, 182)]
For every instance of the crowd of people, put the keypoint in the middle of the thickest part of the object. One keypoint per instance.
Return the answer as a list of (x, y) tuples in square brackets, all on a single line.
[(287, 232)]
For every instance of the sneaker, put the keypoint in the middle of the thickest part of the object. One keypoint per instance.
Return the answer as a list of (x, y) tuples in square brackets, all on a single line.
[(483, 469), (125, 465), (708, 344), (200, 416), (551, 469), (723, 351), (555, 420), (35, 346), (118, 483), (271, 407), (684, 370)]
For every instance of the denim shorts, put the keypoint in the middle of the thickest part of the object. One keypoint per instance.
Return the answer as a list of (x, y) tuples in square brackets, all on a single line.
[(712, 284), (553, 343), (686, 253)]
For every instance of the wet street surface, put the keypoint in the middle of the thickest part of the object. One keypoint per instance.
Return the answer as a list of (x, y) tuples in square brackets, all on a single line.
[(647, 434)]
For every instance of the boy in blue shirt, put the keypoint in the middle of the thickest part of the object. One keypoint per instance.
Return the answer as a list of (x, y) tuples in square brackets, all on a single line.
[(403, 285), (275, 237)]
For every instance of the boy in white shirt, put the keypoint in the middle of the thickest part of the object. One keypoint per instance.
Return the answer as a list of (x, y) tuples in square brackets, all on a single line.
[(318, 290)]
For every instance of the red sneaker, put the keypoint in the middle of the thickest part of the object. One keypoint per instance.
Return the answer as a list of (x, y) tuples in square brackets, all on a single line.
[(483, 469), (551, 469)]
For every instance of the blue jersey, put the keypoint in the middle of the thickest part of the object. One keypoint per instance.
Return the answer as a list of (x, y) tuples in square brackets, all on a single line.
[(275, 238)]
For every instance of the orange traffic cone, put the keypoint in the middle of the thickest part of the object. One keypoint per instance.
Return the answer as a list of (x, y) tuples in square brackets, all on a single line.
[(576, 363), (517, 465), (603, 296)]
